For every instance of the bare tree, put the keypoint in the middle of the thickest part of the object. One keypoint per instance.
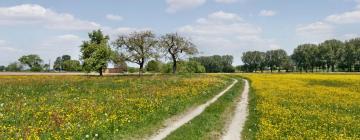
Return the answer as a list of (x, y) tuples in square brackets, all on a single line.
[(137, 47), (175, 45)]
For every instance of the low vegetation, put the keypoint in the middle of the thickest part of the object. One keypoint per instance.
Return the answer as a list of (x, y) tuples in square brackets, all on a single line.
[(304, 106), (79, 107)]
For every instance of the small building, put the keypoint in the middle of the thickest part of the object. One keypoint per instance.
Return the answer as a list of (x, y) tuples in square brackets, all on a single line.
[(115, 70)]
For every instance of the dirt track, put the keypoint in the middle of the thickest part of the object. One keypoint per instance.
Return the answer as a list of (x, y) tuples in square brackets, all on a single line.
[(241, 112), (188, 116)]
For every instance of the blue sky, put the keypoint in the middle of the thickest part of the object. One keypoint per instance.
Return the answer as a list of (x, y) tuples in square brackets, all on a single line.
[(52, 28)]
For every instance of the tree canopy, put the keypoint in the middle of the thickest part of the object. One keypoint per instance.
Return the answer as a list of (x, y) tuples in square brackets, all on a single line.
[(96, 52), (174, 45), (137, 47)]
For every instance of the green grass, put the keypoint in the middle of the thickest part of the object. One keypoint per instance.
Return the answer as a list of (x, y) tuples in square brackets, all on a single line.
[(251, 127), (114, 107), (211, 123)]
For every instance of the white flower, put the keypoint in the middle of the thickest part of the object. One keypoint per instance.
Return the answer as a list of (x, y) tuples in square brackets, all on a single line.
[(96, 135), (87, 136)]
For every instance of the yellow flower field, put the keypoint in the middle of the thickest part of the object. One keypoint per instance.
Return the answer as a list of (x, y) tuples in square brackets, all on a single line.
[(81, 107), (305, 106)]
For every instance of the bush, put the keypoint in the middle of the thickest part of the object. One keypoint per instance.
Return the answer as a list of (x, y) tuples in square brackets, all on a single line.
[(132, 69), (153, 66), (184, 67), (228, 69), (15, 66)]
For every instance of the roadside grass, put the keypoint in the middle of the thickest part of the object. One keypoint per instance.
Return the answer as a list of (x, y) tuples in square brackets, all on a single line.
[(88, 107), (211, 123), (252, 121)]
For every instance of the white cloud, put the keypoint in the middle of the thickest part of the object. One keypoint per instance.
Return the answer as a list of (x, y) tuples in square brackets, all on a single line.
[(315, 32), (5, 47), (56, 46), (38, 15), (114, 17), (226, 33), (349, 36), (345, 18), (267, 13), (63, 40), (177, 5), (8, 52), (225, 1), (115, 32)]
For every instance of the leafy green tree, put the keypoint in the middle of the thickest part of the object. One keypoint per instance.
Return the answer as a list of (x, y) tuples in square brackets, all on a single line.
[(215, 63), (137, 47), (33, 61), (72, 65), (65, 58), (2, 68), (185, 67), (194, 67), (288, 64), (304, 56), (174, 45), (14, 67), (351, 53), (96, 53), (276, 58), (253, 60), (58, 64)]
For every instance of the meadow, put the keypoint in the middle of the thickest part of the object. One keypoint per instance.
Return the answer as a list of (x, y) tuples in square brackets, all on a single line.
[(81, 107), (304, 106)]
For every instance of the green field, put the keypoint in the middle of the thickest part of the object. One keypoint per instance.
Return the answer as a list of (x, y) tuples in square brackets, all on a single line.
[(282, 106), (304, 106), (58, 107)]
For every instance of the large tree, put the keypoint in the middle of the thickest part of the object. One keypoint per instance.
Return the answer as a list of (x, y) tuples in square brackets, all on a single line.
[(253, 60), (330, 51), (174, 45), (2, 68), (96, 52), (351, 53), (304, 56), (137, 47), (276, 58), (59, 63), (33, 61)]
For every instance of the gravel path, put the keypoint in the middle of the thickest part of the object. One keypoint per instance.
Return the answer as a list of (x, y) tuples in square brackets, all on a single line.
[(238, 121), (174, 124)]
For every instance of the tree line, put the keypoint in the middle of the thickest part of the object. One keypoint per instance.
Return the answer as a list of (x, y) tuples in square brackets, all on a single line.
[(331, 55), (143, 48)]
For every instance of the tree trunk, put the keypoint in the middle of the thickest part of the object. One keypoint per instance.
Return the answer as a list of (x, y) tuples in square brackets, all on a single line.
[(174, 64), (333, 68), (141, 68), (174, 67), (271, 69), (101, 72)]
